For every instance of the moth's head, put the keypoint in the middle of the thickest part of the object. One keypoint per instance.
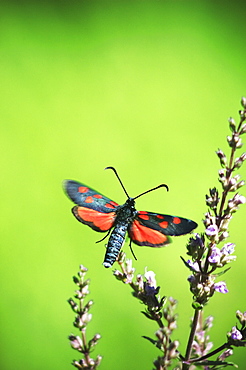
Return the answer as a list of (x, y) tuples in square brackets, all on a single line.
[(130, 201)]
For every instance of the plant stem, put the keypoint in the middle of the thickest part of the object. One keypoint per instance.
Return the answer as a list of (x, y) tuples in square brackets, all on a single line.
[(217, 350), (191, 338), (229, 171)]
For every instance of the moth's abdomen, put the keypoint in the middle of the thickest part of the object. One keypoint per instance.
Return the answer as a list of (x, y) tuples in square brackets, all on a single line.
[(115, 243)]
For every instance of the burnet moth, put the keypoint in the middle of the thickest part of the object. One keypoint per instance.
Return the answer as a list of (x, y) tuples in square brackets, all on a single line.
[(104, 215)]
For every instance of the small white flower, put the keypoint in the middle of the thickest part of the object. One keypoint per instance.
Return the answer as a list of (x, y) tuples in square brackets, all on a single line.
[(150, 277), (76, 342)]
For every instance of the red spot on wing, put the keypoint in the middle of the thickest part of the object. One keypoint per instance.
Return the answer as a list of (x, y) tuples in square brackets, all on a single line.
[(97, 196), (159, 216), (143, 235), (102, 221), (163, 224), (89, 199), (111, 204), (83, 189), (143, 215), (176, 220), (108, 205)]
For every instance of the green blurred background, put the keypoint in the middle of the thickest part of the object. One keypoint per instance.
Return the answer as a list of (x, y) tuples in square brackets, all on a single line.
[(147, 87)]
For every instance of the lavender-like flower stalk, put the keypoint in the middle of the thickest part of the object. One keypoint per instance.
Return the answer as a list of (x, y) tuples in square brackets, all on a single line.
[(82, 318), (158, 309), (209, 253)]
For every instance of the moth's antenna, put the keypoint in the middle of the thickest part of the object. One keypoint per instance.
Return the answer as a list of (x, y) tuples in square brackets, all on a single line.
[(132, 251), (116, 174), (148, 191)]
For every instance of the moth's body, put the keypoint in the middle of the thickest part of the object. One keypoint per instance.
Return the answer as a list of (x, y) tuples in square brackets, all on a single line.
[(102, 215), (125, 215)]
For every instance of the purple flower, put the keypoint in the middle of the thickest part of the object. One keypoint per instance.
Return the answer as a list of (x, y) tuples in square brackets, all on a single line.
[(235, 334), (191, 279), (193, 265), (149, 295), (211, 230), (221, 287), (228, 249), (215, 255), (196, 240), (150, 288)]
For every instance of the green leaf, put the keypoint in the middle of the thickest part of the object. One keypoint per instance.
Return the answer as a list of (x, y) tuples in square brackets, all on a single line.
[(187, 265), (218, 364), (197, 306), (150, 340), (222, 272)]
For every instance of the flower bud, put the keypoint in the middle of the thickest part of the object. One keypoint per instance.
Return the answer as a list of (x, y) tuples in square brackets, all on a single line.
[(228, 352), (222, 157), (229, 140), (79, 364), (119, 275), (240, 184), (140, 282), (239, 143), (243, 129), (94, 341), (223, 236), (208, 322), (73, 305), (239, 161), (222, 178), (235, 141), (225, 223), (98, 360), (85, 290), (88, 305), (83, 268), (242, 114), (232, 124), (236, 201), (86, 317), (243, 102), (241, 317), (129, 268), (75, 342), (159, 334), (173, 349)]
